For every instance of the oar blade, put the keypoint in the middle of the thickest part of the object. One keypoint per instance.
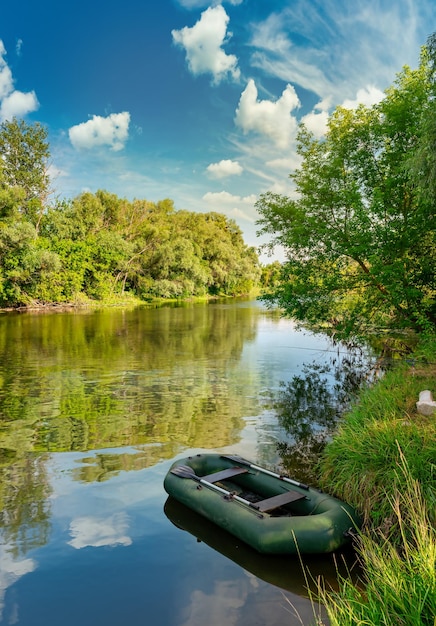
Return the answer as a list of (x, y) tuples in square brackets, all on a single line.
[(184, 471)]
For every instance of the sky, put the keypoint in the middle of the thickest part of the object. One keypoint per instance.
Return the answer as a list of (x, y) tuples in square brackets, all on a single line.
[(196, 100)]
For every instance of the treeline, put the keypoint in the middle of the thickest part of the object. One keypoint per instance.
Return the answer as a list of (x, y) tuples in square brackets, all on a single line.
[(99, 246)]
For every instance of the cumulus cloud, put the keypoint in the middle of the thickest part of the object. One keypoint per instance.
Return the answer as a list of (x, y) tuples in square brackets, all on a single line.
[(97, 532), (316, 123), (238, 207), (266, 117), (18, 104), (203, 45), (13, 103), (224, 168), (368, 96), (111, 131)]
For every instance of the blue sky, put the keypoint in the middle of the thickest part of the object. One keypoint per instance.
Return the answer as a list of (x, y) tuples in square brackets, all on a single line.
[(195, 100)]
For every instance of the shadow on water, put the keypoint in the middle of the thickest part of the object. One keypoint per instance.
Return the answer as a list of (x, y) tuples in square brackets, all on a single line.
[(300, 577), (310, 405)]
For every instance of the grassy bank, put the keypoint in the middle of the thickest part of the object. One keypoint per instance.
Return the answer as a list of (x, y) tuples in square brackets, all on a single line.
[(383, 461)]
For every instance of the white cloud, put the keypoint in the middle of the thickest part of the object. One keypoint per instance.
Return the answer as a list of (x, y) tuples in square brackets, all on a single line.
[(110, 131), (203, 45), (18, 104), (224, 197), (284, 164), (334, 47), (237, 207), (368, 96), (224, 168), (272, 119), (13, 103), (97, 532), (6, 82), (316, 123)]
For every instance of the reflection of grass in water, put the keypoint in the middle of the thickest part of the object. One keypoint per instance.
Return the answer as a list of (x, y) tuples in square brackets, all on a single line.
[(400, 575)]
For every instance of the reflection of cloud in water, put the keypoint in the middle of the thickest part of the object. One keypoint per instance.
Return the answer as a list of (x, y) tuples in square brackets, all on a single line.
[(11, 570), (94, 531), (248, 599), (220, 607)]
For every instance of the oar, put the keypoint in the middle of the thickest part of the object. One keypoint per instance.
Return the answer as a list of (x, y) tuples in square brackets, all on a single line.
[(184, 471), (241, 461)]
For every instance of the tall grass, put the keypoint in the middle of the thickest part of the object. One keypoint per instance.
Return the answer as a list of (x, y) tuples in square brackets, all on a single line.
[(360, 464), (382, 460), (400, 587)]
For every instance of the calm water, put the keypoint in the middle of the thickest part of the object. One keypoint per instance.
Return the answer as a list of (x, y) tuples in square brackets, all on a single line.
[(94, 406)]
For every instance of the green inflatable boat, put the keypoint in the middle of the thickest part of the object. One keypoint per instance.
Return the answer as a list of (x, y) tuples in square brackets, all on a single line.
[(273, 514)]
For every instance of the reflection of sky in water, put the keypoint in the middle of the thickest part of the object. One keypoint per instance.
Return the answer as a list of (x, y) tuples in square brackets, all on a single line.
[(112, 546)]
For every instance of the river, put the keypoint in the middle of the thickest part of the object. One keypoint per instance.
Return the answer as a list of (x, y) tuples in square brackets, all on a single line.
[(94, 406)]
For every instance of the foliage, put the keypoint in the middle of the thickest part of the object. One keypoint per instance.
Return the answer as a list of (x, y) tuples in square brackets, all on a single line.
[(400, 584), (108, 246), (361, 463), (382, 460), (99, 246), (360, 241), (24, 165)]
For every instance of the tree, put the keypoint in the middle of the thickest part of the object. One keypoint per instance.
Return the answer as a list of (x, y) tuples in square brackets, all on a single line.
[(359, 238), (24, 152)]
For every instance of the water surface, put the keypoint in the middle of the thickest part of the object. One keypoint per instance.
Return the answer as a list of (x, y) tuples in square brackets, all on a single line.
[(94, 406)]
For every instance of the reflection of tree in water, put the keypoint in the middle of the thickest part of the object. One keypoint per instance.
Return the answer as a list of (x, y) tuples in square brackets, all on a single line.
[(113, 378), (310, 405), (104, 466), (24, 501)]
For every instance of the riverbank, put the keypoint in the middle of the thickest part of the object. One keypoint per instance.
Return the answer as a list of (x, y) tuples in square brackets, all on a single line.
[(383, 461), (127, 300)]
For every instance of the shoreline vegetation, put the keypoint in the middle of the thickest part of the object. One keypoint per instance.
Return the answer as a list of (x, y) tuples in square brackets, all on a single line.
[(124, 301), (382, 460)]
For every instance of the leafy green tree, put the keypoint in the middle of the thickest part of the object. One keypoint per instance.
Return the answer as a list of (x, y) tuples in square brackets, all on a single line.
[(24, 152), (27, 270), (270, 276), (359, 239)]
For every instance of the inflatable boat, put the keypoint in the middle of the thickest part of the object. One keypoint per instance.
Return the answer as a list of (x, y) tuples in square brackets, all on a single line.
[(274, 514)]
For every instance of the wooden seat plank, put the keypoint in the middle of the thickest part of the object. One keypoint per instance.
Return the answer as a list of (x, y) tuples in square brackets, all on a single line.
[(269, 504), (224, 474)]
